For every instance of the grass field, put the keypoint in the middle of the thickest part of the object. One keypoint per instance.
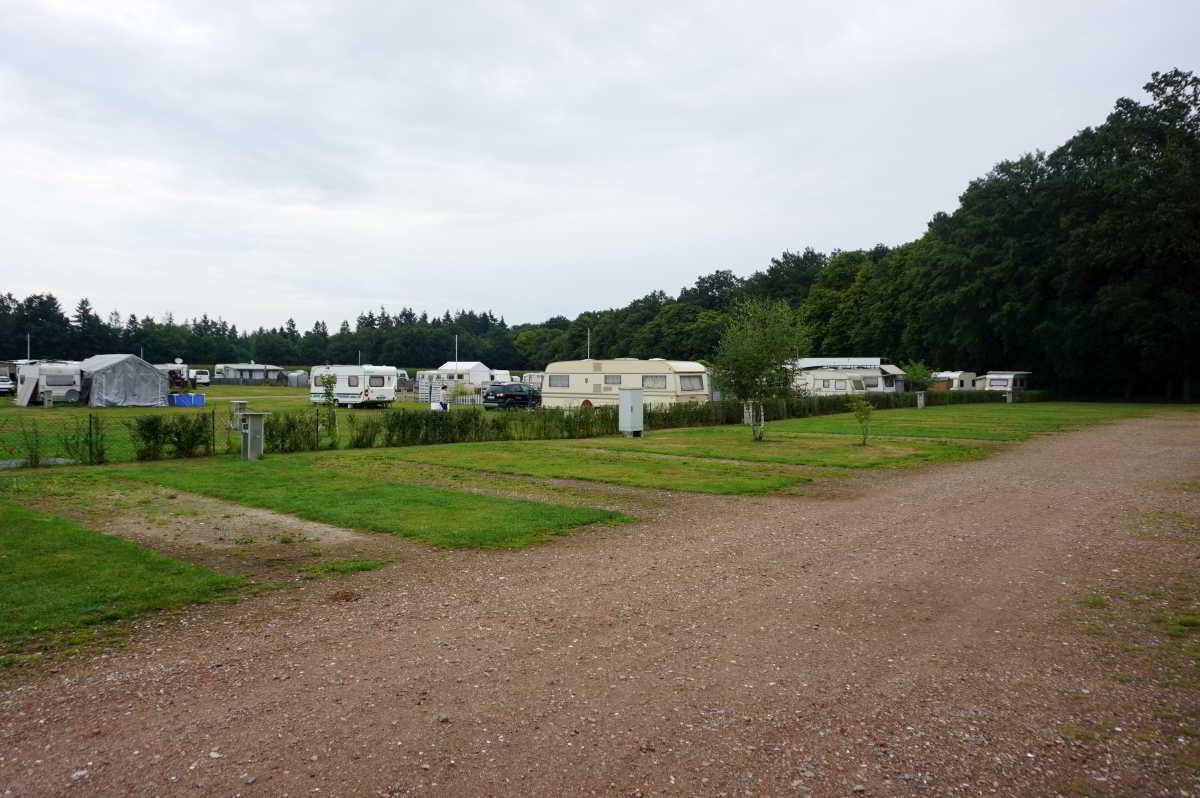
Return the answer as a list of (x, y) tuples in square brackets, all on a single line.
[(540, 459), (59, 578), (306, 486), (998, 422), (734, 443)]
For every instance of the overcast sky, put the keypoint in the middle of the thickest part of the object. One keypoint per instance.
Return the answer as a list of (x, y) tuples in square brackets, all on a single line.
[(257, 161)]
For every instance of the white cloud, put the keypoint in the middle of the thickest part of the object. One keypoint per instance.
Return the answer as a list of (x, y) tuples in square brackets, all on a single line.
[(313, 159)]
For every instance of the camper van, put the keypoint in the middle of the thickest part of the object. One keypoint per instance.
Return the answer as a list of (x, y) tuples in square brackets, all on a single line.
[(355, 385), (584, 383), (61, 379), (201, 376)]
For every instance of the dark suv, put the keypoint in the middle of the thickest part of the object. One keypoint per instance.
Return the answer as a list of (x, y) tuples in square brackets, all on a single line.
[(516, 394)]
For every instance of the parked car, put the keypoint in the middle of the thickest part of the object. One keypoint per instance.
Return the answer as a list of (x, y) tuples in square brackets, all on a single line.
[(511, 395), (6, 384), (201, 376)]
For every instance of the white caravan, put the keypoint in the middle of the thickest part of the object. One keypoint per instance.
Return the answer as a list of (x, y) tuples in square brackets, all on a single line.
[(584, 383), (953, 380), (61, 379), (832, 376), (1003, 381), (534, 378), (829, 382), (355, 385)]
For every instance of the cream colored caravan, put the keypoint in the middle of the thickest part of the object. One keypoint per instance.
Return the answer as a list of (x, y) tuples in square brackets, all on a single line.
[(584, 383)]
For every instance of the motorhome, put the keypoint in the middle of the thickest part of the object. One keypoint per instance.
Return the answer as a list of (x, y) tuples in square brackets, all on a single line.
[(355, 385), (584, 383), (1003, 381), (61, 379)]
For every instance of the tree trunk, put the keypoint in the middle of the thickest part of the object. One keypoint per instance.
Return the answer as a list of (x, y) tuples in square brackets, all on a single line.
[(752, 414)]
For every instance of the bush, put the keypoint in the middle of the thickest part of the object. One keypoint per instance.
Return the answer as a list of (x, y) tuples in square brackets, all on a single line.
[(291, 432), (84, 440), (189, 434), (149, 435), (364, 432)]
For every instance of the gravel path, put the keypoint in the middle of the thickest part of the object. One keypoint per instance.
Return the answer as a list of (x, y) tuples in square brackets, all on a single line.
[(917, 637)]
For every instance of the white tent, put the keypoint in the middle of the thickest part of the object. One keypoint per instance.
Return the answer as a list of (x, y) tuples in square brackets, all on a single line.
[(123, 381)]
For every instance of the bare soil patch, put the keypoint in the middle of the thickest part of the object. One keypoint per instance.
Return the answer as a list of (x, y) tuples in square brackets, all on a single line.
[(920, 633)]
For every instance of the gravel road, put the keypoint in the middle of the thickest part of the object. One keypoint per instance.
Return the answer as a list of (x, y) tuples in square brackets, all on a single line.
[(919, 635)]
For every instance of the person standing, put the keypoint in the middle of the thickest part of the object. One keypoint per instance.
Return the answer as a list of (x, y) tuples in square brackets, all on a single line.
[(444, 398)]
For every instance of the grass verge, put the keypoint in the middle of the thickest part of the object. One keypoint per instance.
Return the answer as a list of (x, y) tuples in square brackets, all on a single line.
[(309, 487), (640, 470), (59, 581), (734, 443)]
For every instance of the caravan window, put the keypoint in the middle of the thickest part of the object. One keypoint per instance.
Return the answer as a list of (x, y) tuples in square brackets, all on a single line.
[(375, 382), (654, 381), (839, 385), (691, 382), (871, 382), (560, 380), (316, 382), (60, 379), (856, 383), (889, 382), (612, 379), (352, 381), (826, 383), (997, 383)]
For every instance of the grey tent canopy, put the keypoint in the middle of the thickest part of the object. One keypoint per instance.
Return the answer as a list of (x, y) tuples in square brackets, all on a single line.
[(123, 381)]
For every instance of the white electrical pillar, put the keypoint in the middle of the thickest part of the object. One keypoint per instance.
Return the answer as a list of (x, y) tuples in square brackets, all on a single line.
[(630, 416)]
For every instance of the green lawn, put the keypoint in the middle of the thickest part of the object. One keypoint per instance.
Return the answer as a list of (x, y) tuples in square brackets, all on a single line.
[(312, 486), (542, 459), (1000, 422), (57, 577), (735, 443)]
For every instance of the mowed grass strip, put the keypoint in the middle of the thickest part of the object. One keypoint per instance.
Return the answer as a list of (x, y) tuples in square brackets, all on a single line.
[(735, 443), (999, 422), (311, 486), (537, 459), (57, 576)]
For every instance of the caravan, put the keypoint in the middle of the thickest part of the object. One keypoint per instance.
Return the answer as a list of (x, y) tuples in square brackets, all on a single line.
[(62, 380), (355, 385), (584, 383)]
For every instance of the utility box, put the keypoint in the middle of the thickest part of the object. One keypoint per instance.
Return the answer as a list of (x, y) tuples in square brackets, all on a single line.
[(920, 399), (252, 424), (630, 417)]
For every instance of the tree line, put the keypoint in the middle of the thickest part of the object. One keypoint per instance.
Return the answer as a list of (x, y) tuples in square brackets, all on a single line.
[(1081, 265)]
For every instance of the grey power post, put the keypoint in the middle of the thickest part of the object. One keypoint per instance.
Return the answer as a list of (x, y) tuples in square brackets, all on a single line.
[(630, 417), (252, 434)]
